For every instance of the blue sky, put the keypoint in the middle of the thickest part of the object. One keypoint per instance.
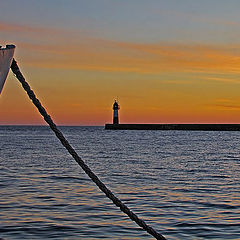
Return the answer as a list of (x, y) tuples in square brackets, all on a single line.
[(133, 20)]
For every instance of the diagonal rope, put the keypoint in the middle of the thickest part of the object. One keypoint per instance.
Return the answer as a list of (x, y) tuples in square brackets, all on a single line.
[(81, 163)]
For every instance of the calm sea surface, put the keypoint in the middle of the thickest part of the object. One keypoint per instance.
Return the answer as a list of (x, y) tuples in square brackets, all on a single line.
[(185, 184)]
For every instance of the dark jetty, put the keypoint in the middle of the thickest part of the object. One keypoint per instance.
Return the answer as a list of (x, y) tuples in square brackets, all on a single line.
[(185, 127)]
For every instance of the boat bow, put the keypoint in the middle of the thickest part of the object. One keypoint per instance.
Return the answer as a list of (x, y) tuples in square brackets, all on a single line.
[(6, 57)]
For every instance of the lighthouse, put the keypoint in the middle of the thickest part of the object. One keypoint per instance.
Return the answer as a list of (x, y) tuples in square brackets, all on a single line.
[(116, 107)]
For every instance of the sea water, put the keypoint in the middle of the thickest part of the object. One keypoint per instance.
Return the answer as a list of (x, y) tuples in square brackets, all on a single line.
[(185, 184)]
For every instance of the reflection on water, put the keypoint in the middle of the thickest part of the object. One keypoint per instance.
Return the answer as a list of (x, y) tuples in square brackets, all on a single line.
[(184, 184)]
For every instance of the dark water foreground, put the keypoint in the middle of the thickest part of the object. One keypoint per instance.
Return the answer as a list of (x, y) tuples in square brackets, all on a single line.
[(186, 184)]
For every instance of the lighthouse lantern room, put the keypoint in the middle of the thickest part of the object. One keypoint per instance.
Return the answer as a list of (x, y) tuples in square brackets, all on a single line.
[(116, 107)]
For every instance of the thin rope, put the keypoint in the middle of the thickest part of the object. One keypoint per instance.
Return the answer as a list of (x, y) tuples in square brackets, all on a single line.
[(81, 163)]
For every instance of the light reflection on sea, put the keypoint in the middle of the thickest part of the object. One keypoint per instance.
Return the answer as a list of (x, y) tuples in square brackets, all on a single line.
[(184, 184)]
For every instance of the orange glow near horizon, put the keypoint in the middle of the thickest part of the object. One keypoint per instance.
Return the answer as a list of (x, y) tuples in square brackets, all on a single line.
[(77, 80)]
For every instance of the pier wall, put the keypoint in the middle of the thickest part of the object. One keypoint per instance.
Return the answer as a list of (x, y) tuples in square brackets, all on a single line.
[(184, 127)]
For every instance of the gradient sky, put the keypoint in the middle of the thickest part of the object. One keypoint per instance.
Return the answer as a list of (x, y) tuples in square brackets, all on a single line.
[(167, 61)]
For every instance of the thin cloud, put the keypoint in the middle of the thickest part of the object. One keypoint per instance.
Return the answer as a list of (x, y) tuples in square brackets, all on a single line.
[(18, 28), (222, 80), (228, 107), (143, 58), (226, 104), (75, 50)]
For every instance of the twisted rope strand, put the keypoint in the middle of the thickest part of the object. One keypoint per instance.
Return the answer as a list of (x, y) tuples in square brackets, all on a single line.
[(81, 163)]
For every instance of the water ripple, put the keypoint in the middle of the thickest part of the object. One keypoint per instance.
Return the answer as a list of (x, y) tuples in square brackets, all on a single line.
[(184, 184)]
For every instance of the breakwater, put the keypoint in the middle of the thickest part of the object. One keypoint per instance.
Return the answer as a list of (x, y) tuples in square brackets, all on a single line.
[(185, 127)]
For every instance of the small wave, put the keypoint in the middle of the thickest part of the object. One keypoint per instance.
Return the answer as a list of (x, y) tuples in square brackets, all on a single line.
[(218, 205), (213, 225), (220, 176), (36, 230), (67, 178)]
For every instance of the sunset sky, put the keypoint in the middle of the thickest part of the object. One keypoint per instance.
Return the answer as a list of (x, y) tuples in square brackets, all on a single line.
[(167, 61)]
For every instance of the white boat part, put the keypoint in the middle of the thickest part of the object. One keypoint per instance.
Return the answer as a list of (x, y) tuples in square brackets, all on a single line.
[(6, 57)]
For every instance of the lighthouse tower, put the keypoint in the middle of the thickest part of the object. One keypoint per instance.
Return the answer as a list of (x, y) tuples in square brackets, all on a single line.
[(116, 107)]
